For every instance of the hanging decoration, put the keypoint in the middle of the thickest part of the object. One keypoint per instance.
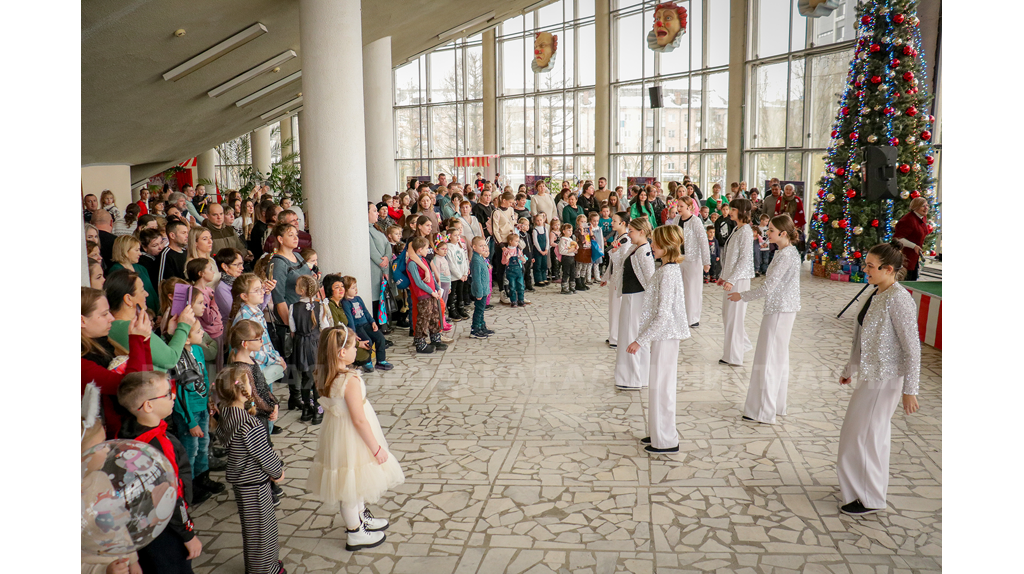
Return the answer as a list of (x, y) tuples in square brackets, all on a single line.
[(817, 8), (669, 27), (545, 48)]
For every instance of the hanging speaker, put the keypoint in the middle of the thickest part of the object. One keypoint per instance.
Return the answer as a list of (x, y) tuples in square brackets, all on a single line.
[(656, 101), (880, 173)]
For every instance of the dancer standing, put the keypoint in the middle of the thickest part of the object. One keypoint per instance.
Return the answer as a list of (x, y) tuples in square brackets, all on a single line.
[(769, 379), (696, 260), (637, 270), (613, 273), (663, 325), (886, 355), (737, 271)]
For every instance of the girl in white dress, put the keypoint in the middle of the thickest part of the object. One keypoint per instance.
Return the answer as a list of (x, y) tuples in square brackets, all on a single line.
[(737, 270), (886, 355), (631, 370), (613, 274), (769, 379), (352, 463), (662, 325)]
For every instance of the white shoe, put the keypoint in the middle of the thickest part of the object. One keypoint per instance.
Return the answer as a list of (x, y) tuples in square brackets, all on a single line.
[(373, 524), (526, 301), (447, 340), (363, 538), (504, 300)]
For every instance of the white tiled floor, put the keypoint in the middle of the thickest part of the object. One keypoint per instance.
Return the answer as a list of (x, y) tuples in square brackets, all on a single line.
[(520, 456)]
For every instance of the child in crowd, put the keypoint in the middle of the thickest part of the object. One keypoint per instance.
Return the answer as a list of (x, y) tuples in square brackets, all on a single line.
[(480, 288), (149, 399), (246, 337), (107, 202), (200, 273), (555, 233), (458, 264), (191, 417), (523, 228), (444, 276), (705, 218), (522, 207), (711, 276), (583, 250), (253, 467), (664, 325), (248, 293), (305, 319), (360, 320), (567, 248), (427, 298), (540, 249), (761, 246), (594, 273), (617, 251), (401, 320), (514, 260), (605, 221), (352, 463)]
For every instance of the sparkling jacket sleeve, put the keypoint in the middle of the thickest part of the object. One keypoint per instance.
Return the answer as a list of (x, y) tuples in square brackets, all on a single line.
[(663, 315), (739, 255), (643, 265), (695, 241), (903, 314), (781, 286)]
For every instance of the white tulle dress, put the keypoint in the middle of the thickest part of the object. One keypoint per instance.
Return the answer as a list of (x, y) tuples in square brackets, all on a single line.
[(344, 469)]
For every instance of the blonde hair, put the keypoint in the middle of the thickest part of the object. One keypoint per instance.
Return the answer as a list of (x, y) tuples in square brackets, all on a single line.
[(670, 239), (243, 283), (641, 224), (332, 341), (193, 238), (917, 202), (122, 245), (230, 384), (104, 195)]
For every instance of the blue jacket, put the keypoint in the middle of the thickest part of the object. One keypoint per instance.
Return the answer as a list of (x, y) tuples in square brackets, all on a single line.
[(367, 318), (479, 283)]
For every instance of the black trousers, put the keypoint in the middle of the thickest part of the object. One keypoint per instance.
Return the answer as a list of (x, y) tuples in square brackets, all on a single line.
[(259, 528), (455, 298), (166, 554), (498, 270)]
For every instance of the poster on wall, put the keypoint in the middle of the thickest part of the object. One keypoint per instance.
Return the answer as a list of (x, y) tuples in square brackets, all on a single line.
[(532, 179), (669, 27), (545, 48), (641, 181)]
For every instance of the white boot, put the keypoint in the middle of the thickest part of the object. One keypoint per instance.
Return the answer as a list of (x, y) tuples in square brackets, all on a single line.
[(373, 524), (363, 538)]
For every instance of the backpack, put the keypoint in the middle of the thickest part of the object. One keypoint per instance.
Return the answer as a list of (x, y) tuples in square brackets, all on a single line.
[(398, 272)]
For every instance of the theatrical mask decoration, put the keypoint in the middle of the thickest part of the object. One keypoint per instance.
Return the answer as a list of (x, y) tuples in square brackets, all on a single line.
[(817, 8), (545, 48), (669, 27)]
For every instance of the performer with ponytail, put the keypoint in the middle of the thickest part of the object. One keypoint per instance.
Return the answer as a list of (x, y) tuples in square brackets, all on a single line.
[(737, 270), (637, 270)]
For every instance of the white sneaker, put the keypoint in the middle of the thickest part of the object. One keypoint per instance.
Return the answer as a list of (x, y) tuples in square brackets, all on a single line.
[(526, 301), (447, 340), (504, 300), (363, 538), (373, 524)]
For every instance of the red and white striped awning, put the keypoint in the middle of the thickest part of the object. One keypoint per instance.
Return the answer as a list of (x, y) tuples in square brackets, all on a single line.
[(474, 161), (189, 163)]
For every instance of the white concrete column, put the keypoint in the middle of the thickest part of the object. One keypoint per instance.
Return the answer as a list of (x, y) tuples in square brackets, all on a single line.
[(206, 165), (490, 79), (602, 100), (380, 119), (286, 134), (260, 146), (296, 144), (737, 72), (332, 92)]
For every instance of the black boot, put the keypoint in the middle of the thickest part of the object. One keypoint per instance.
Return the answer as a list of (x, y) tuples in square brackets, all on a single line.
[(199, 493), (293, 398), (307, 406), (583, 284), (211, 486), (318, 411)]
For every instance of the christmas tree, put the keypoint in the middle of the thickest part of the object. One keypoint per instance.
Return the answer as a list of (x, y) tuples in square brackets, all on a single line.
[(884, 105)]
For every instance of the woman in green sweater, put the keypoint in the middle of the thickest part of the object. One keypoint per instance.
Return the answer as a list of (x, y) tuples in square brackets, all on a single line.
[(642, 206), (126, 252), (125, 293)]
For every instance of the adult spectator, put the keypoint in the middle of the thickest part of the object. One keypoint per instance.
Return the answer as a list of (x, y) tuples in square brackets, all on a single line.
[(223, 235), (90, 203), (442, 181), (696, 190), (231, 264), (127, 252), (654, 196), (743, 189), (412, 190), (503, 221), (291, 218), (380, 261), (172, 259), (480, 181), (482, 211), (188, 192), (572, 209), (588, 201), (775, 192), (265, 215), (756, 203), (602, 192), (200, 246), (288, 266), (717, 202), (98, 352), (542, 202), (287, 204), (640, 206), (125, 293), (96, 276), (127, 224), (177, 205), (104, 224), (910, 231), (148, 221), (143, 201), (244, 219), (92, 234), (791, 203), (334, 288), (152, 245)]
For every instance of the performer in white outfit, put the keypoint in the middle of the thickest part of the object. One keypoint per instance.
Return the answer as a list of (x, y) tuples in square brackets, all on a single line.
[(769, 379), (613, 274), (662, 325), (886, 356), (737, 270), (696, 260), (637, 271)]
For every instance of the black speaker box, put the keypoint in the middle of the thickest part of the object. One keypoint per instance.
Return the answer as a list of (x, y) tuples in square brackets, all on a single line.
[(880, 173), (656, 100)]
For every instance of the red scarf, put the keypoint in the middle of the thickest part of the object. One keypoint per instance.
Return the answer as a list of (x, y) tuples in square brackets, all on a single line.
[(160, 433), (395, 214)]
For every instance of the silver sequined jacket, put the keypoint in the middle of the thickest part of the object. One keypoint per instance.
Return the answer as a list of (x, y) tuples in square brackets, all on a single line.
[(663, 315), (781, 287), (613, 273), (887, 345), (739, 255), (643, 264), (695, 241)]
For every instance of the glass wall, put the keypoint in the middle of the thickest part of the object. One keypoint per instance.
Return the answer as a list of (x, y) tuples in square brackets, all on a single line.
[(546, 120), (439, 111), (687, 136)]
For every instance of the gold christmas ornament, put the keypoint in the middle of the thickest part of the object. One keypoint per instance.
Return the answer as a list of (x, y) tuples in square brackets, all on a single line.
[(911, 139), (904, 194), (830, 198), (835, 224), (858, 230), (872, 138)]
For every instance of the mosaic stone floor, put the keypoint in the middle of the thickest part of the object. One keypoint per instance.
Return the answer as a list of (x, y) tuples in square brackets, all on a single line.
[(520, 457)]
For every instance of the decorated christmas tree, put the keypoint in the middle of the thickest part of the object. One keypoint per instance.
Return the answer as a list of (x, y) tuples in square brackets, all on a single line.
[(884, 104)]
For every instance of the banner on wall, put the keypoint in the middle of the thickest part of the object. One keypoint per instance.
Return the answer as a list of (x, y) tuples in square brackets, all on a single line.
[(641, 181), (532, 179)]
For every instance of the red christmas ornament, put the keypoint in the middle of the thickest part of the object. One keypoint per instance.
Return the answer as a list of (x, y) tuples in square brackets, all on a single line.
[(828, 246), (915, 194), (858, 85), (908, 76), (841, 171), (932, 253), (905, 168), (824, 218), (895, 63), (874, 48), (843, 223), (856, 254), (929, 159), (926, 135), (896, 95), (898, 18), (931, 118), (876, 79), (835, 133), (894, 141), (821, 193), (889, 110), (908, 51), (844, 110), (859, 94), (814, 245), (930, 230), (911, 111), (866, 20), (874, 223), (851, 193), (853, 136)]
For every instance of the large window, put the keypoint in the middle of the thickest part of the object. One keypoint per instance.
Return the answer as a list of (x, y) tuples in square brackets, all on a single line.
[(687, 136), (546, 120), (439, 111)]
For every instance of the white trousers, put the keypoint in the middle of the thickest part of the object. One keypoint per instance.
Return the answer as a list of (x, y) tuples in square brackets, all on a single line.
[(769, 378), (693, 289), (614, 302), (661, 414), (631, 370), (865, 442), (733, 312)]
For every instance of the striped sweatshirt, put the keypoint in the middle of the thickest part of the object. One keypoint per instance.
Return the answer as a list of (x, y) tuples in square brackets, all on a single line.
[(251, 459)]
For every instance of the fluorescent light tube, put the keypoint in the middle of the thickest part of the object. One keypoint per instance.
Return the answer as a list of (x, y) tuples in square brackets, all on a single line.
[(239, 39), (252, 73), (281, 108), (465, 26), (271, 88)]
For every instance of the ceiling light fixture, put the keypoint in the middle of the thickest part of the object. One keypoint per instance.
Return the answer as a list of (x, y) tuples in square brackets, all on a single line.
[(281, 108), (465, 26), (536, 6), (283, 117), (257, 70), (239, 39), (270, 88)]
